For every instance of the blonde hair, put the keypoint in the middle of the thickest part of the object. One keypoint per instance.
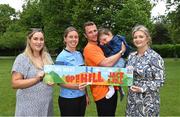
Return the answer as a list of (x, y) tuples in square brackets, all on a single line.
[(46, 59), (102, 31), (144, 30)]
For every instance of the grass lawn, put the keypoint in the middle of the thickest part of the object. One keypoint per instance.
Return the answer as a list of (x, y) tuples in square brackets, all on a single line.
[(170, 93)]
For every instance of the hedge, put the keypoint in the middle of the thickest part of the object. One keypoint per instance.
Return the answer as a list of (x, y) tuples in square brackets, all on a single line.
[(168, 50), (10, 52)]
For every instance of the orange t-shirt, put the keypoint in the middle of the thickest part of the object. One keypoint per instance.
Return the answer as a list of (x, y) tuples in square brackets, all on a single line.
[(93, 56)]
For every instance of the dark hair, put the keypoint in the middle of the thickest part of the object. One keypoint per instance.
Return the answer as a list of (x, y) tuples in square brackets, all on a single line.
[(88, 23)]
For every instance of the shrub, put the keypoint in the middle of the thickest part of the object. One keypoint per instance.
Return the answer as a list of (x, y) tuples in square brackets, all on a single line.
[(168, 50)]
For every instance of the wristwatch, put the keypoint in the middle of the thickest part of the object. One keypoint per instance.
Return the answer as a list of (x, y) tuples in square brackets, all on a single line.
[(122, 53)]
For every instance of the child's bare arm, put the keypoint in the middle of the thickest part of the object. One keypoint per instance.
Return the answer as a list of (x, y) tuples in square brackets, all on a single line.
[(123, 48)]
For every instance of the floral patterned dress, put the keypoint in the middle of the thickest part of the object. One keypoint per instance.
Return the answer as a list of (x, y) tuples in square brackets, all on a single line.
[(149, 75)]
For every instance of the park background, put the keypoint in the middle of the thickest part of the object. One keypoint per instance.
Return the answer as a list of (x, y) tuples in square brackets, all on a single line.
[(54, 16)]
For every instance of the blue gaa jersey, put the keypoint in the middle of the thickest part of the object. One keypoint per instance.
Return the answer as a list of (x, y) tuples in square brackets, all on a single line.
[(70, 59)]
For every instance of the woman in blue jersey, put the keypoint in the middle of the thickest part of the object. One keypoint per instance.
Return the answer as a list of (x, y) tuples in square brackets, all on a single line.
[(72, 99)]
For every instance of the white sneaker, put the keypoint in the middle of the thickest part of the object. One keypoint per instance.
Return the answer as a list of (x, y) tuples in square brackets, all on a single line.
[(110, 93)]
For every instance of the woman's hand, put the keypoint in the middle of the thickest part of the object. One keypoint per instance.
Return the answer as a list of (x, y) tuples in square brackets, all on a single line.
[(50, 83), (82, 86), (136, 89), (40, 75), (18, 81)]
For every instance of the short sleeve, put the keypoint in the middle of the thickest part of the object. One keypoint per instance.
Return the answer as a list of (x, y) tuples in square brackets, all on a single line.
[(93, 56), (21, 65), (60, 59), (80, 60)]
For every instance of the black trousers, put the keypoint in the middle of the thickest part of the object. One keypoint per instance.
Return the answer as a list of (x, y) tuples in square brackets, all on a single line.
[(72, 106), (107, 107)]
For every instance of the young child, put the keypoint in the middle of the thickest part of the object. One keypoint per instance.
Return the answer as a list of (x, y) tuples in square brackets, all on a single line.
[(111, 45)]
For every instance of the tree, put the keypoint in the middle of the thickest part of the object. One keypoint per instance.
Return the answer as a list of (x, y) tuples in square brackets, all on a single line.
[(118, 15), (14, 37), (6, 13), (31, 16), (161, 34), (133, 12), (56, 17), (173, 18), (13, 40)]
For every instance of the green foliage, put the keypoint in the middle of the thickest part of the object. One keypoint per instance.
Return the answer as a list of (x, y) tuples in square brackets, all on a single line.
[(31, 16), (13, 40), (55, 16), (14, 37), (133, 12), (173, 19), (161, 34), (174, 16), (6, 12), (177, 50), (168, 50), (118, 15)]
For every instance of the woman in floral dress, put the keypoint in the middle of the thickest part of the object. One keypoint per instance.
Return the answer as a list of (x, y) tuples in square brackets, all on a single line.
[(34, 98), (143, 96)]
